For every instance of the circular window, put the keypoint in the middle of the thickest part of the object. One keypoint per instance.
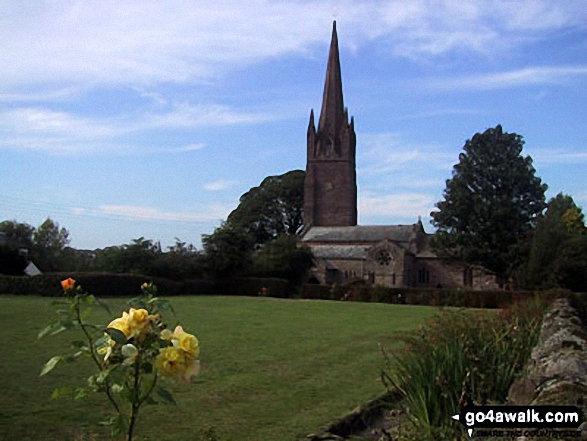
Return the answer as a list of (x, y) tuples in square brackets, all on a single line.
[(383, 258)]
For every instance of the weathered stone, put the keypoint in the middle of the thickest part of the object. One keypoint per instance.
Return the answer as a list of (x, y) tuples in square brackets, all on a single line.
[(557, 370)]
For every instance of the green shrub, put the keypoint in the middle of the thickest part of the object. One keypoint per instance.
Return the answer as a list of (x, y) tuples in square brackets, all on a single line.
[(101, 285), (458, 353)]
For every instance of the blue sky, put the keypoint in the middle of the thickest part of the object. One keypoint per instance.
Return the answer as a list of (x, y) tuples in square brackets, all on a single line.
[(145, 118)]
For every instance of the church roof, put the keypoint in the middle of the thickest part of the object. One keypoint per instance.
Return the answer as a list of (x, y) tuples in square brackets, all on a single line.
[(359, 233), (354, 252)]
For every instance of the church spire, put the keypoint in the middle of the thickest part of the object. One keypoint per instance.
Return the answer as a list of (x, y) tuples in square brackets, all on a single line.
[(332, 113)]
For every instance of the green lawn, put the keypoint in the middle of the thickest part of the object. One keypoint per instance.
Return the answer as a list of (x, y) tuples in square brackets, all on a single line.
[(271, 369)]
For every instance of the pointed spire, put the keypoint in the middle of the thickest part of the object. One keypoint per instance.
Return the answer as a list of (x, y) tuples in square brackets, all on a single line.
[(332, 101), (311, 124)]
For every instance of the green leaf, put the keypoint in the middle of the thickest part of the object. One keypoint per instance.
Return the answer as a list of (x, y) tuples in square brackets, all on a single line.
[(80, 393), (165, 395), (61, 391), (43, 332), (117, 336), (50, 365)]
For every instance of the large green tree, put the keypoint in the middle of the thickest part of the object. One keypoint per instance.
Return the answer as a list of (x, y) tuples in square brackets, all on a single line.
[(563, 222), (283, 258), (227, 251), (490, 204), (272, 209)]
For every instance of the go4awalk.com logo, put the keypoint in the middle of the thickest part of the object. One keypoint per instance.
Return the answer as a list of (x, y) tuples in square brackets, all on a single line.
[(530, 420)]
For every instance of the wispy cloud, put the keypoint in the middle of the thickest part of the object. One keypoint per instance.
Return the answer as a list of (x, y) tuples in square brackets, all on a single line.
[(203, 115), (186, 148), (386, 153), (137, 42), (219, 185), (557, 156), (530, 76), (40, 96), (43, 129), (138, 213), (407, 205)]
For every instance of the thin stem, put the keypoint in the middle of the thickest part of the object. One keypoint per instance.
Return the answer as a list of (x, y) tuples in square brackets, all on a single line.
[(93, 353), (136, 402)]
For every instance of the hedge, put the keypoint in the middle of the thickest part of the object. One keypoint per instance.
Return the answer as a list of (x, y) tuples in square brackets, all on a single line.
[(360, 292), (258, 286), (101, 285)]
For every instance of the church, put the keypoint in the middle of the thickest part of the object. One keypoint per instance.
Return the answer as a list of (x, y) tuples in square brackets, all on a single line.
[(390, 255)]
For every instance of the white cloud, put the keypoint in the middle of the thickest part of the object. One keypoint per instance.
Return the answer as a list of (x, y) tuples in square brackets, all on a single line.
[(144, 42), (43, 129), (215, 212), (408, 205), (186, 148), (387, 153), (219, 185), (556, 156), (530, 76), (202, 115)]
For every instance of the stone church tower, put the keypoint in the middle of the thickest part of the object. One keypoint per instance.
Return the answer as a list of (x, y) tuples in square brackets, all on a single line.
[(391, 255), (330, 188)]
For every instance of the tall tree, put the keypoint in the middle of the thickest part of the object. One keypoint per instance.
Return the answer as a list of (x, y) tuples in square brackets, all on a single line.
[(273, 208), (562, 222), (490, 204), (227, 251), (49, 243)]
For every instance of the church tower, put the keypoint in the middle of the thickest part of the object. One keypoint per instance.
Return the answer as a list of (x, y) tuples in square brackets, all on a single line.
[(330, 188)]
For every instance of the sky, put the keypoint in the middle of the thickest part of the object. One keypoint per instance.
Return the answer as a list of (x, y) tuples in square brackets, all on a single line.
[(121, 120)]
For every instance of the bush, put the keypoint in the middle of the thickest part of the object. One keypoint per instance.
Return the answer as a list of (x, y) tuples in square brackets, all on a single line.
[(361, 292), (101, 285), (253, 287), (461, 355)]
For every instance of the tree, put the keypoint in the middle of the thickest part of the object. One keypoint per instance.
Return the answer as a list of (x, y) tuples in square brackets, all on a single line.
[(283, 258), (570, 268), (137, 257), (273, 208), (490, 205), (227, 251), (20, 233), (49, 243), (182, 261), (562, 222)]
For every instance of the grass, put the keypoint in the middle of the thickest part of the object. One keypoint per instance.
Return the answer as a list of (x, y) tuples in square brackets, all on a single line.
[(271, 369), (459, 354)]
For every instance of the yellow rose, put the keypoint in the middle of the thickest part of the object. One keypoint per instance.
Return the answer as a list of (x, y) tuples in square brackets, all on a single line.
[(186, 342), (140, 321), (122, 324), (170, 362), (174, 363), (67, 284)]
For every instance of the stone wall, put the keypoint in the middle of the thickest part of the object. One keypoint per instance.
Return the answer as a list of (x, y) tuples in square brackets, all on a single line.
[(557, 370)]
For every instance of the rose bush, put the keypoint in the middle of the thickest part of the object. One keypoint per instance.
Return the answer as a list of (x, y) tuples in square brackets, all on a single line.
[(132, 353)]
